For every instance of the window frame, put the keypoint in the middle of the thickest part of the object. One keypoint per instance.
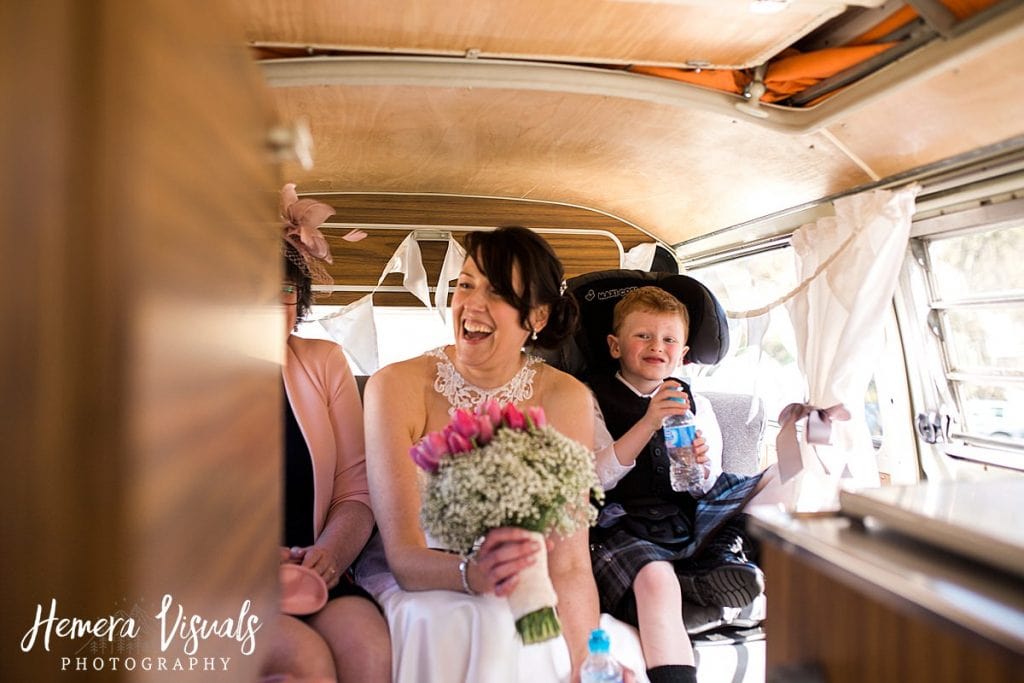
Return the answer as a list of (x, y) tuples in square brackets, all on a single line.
[(922, 302)]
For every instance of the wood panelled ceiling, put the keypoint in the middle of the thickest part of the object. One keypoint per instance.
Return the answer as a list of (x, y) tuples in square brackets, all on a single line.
[(684, 33), (977, 102), (673, 171), (675, 168)]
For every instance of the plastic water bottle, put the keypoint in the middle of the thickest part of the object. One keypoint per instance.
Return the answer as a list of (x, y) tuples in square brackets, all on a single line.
[(600, 666), (686, 474)]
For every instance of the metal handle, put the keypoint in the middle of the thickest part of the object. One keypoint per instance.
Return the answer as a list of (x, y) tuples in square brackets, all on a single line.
[(292, 142), (929, 426)]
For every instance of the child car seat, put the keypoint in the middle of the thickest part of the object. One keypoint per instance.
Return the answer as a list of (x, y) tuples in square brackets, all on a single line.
[(598, 292)]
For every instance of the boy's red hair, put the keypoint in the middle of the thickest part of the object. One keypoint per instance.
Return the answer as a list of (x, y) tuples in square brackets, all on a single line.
[(651, 300)]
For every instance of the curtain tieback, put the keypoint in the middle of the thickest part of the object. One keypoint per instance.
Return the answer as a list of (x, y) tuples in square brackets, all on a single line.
[(819, 431)]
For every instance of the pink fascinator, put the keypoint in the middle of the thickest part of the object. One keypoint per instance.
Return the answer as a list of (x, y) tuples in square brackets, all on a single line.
[(302, 219)]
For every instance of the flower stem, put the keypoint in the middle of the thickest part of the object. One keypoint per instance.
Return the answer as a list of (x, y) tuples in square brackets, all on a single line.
[(538, 626)]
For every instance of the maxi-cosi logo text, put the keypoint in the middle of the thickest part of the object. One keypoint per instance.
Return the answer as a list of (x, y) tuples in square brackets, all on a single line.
[(607, 293), (110, 641)]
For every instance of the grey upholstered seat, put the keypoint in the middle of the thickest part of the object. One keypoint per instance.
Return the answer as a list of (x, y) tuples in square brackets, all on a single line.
[(741, 440)]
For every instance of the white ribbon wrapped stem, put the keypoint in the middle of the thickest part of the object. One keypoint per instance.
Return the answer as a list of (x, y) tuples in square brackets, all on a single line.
[(534, 590)]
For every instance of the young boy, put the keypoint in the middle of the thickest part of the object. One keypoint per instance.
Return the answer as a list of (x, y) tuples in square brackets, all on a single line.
[(654, 546)]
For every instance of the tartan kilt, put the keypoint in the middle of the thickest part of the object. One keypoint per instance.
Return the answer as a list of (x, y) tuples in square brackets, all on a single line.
[(617, 555)]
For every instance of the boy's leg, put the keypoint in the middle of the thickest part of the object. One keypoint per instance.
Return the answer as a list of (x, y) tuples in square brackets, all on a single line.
[(721, 574), (659, 609), (735, 539), (672, 673)]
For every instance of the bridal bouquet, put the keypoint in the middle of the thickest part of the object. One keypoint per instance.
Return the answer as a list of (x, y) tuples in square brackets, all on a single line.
[(498, 468)]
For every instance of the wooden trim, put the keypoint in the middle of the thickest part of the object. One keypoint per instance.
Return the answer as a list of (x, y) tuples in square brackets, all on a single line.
[(361, 263)]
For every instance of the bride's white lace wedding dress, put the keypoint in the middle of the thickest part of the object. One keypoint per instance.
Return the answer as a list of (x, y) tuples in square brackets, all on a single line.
[(442, 636)]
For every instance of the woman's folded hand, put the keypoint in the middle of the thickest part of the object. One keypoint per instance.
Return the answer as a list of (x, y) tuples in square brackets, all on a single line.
[(316, 558), (504, 553)]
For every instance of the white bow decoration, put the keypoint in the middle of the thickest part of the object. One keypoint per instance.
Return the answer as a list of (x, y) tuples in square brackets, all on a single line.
[(408, 259), (640, 257), (354, 327), (454, 257)]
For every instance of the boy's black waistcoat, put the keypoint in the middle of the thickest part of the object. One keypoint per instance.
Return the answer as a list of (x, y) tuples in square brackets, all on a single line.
[(648, 482)]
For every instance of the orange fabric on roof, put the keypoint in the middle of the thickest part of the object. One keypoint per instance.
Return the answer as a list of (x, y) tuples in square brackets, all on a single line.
[(791, 72), (787, 76), (902, 16), (719, 79), (797, 72), (962, 9)]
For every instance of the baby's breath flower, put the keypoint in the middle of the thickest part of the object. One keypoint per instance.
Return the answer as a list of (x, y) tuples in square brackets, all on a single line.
[(534, 478)]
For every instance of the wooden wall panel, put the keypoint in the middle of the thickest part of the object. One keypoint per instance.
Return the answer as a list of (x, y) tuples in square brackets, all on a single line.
[(361, 263), (141, 349), (59, 513), (453, 210)]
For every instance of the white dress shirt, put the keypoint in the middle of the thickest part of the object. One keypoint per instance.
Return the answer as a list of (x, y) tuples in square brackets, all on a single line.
[(610, 470)]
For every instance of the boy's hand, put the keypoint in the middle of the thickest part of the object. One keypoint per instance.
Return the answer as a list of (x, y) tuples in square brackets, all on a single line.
[(668, 400), (700, 453)]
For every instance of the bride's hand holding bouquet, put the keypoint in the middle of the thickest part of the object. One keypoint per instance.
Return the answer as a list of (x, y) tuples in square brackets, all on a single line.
[(501, 468)]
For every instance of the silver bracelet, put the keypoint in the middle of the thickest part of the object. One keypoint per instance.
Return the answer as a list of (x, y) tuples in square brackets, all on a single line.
[(464, 561)]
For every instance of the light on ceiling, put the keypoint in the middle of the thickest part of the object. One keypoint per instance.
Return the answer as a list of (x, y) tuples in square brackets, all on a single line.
[(768, 6)]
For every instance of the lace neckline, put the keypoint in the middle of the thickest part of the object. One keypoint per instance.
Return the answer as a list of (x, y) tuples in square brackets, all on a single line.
[(461, 394)]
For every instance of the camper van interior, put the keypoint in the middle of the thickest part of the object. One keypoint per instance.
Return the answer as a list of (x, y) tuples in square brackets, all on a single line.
[(845, 177)]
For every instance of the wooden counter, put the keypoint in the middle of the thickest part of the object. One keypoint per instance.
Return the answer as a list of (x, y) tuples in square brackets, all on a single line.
[(849, 602)]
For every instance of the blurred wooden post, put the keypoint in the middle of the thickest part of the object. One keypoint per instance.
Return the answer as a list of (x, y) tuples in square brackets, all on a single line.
[(141, 333)]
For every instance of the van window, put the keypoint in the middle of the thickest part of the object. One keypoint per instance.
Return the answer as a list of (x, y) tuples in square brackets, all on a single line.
[(975, 289), (771, 372)]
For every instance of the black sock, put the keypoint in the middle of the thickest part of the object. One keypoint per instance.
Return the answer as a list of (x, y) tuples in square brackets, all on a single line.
[(673, 673)]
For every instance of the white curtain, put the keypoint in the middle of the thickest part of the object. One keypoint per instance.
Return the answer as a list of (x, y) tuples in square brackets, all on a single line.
[(848, 266)]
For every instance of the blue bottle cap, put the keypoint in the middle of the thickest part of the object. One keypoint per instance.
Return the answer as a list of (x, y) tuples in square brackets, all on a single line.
[(598, 641)]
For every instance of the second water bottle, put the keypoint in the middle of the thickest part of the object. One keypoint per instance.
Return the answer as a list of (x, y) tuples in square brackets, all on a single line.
[(600, 666)]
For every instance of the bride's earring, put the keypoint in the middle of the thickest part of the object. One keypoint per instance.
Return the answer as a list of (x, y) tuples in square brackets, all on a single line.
[(533, 336)]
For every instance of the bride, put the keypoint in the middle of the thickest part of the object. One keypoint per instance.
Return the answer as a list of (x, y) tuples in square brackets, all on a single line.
[(448, 616)]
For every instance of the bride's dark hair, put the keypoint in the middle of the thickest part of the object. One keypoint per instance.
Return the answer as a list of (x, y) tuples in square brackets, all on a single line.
[(497, 252)]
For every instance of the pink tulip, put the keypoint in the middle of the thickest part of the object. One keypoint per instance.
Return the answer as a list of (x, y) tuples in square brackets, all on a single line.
[(537, 416), (513, 418), (492, 410), (485, 430), (423, 457), (457, 442), (436, 445), (465, 423)]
